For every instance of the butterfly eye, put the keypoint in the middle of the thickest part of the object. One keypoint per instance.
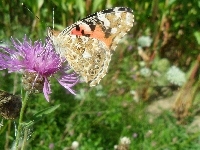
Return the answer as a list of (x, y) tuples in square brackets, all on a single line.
[(98, 56), (81, 50), (96, 67), (92, 72)]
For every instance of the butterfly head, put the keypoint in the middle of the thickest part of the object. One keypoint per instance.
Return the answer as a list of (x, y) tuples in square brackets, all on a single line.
[(52, 33)]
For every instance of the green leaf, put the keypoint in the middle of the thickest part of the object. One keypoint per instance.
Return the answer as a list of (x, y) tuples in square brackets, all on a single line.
[(46, 111), (30, 123), (40, 3), (197, 36), (96, 4), (38, 115), (81, 7)]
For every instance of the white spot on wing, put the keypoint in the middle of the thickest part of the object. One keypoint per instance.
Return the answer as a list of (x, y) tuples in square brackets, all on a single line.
[(113, 30), (118, 14), (116, 9), (105, 21), (129, 19), (86, 55)]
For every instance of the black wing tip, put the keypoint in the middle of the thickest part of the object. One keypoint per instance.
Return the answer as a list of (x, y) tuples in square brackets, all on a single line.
[(127, 9), (123, 9)]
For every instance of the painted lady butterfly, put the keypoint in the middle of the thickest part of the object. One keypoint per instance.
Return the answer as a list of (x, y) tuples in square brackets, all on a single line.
[(88, 44)]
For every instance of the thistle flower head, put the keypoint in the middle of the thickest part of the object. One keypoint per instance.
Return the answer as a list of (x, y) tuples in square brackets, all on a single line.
[(10, 105), (37, 62)]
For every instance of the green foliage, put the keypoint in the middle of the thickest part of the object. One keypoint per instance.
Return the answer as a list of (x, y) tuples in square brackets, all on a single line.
[(98, 117)]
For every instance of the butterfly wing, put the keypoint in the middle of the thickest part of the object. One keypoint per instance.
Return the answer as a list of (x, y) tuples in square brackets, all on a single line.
[(87, 56), (108, 26), (87, 44)]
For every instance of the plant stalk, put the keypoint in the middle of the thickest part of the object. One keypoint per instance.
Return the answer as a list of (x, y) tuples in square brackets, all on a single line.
[(19, 130)]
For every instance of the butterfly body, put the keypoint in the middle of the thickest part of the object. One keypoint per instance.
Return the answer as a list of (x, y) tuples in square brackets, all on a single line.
[(89, 43)]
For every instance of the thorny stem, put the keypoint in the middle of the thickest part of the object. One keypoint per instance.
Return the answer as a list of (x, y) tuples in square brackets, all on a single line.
[(19, 130)]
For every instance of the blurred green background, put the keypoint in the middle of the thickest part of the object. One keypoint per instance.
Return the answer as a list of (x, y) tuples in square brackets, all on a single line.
[(150, 94)]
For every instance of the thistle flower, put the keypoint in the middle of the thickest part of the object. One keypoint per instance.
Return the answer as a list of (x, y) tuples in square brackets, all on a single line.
[(37, 62), (10, 105)]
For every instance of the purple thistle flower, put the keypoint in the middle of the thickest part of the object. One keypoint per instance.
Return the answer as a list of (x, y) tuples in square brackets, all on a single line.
[(37, 62)]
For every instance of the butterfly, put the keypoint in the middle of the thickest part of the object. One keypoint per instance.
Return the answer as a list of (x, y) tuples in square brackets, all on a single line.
[(88, 44)]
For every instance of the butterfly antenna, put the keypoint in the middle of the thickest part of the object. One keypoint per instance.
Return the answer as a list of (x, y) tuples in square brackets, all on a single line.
[(30, 11), (53, 19), (53, 22)]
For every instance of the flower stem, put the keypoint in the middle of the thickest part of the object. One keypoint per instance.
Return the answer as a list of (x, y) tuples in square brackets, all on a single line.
[(7, 135), (25, 138), (24, 102)]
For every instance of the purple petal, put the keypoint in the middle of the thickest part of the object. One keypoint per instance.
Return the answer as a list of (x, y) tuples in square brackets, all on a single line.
[(68, 82), (38, 58), (46, 89)]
